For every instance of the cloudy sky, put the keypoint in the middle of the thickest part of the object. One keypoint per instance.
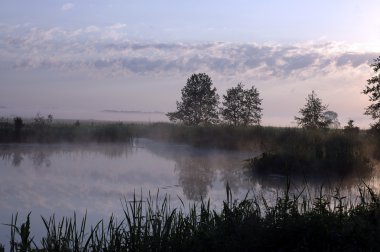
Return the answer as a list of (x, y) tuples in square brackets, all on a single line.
[(77, 59)]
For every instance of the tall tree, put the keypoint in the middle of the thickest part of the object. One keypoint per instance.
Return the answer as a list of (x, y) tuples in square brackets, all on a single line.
[(312, 114), (252, 109), (373, 91), (199, 102), (242, 106)]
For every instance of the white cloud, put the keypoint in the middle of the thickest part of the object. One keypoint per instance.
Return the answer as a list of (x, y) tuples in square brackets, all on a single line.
[(67, 6), (279, 71), (92, 28), (109, 50), (117, 26)]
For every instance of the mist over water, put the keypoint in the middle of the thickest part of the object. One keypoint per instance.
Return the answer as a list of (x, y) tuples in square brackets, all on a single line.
[(62, 178), (83, 114)]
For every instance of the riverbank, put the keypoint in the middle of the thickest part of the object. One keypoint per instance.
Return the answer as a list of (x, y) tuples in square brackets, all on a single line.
[(286, 151)]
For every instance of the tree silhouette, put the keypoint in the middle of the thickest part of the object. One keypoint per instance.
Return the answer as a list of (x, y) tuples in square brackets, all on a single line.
[(350, 128), (332, 119), (18, 125), (242, 106), (313, 113), (373, 91), (199, 102)]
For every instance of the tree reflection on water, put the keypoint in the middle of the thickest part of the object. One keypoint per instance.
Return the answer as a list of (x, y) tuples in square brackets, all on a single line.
[(195, 175), (198, 169), (40, 154)]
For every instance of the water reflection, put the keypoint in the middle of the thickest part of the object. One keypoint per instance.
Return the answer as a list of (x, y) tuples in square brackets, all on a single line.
[(96, 176), (197, 171), (40, 153), (114, 170), (200, 170), (17, 159), (195, 175), (63, 178)]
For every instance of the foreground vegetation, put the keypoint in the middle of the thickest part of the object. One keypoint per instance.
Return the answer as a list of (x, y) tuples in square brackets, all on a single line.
[(294, 222)]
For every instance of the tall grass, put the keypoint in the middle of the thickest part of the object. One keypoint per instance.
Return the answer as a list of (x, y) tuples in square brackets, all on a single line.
[(66, 132), (294, 222), (286, 151), (318, 153), (264, 138), (218, 136)]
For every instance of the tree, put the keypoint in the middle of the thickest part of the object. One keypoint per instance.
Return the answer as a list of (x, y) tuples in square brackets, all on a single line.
[(199, 102), (50, 119), (373, 91), (350, 128), (242, 106), (18, 125), (313, 113), (332, 119), (41, 121)]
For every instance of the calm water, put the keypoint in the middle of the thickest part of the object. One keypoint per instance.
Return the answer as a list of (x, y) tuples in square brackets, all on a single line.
[(67, 178), (63, 178)]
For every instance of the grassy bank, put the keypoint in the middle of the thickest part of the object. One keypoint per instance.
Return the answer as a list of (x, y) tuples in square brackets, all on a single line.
[(264, 138), (65, 132), (319, 153), (287, 151), (300, 222), (216, 136)]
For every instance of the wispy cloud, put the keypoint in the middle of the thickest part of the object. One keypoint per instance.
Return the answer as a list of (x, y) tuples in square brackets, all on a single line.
[(67, 6), (109, 50), (118, 26), (132, 111)]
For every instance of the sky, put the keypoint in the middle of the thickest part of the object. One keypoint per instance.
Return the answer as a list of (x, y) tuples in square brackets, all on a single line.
[(94, 59)]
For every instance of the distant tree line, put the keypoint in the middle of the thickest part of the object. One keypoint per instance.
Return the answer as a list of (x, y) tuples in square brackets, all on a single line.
[(314, 114), (241, 106), (199, 105)]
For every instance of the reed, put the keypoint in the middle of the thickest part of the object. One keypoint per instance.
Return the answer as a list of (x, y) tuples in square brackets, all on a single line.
[(294, 221), (317, 153), (66, 132)]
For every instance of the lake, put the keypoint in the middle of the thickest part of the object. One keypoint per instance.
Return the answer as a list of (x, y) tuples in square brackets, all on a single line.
[(95, 178), (61, 179)]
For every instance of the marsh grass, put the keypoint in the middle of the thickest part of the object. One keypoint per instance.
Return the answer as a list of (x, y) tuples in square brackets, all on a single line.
[(293, 222), (65, 132), (285, 151), (318, 153), (214, 136)]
